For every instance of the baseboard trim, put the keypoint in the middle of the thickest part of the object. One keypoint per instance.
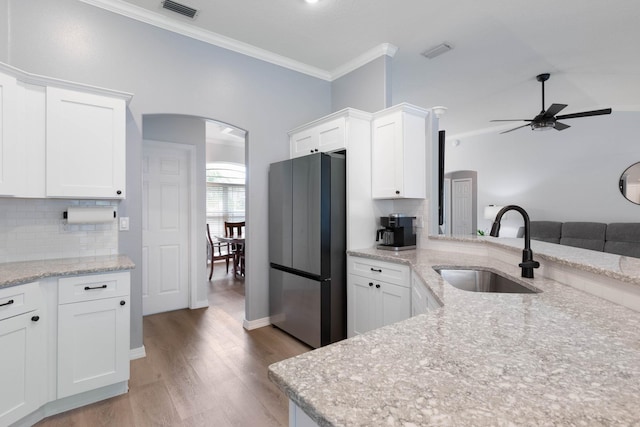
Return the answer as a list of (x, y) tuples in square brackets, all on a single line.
[(137, 353), (73, 402), (255, 324)]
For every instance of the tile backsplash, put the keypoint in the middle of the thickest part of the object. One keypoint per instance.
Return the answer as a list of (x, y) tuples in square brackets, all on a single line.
[(32, 229)]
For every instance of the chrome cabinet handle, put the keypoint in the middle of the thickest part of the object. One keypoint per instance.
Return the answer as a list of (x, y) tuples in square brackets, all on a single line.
[(89, 288), (7, 303)]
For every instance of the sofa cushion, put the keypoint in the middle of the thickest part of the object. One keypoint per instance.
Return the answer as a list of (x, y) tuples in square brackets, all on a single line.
[(623, 239), (546, 231), (587, 235)]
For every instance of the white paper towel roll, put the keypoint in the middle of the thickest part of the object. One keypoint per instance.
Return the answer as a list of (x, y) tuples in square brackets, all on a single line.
[(90, 215)]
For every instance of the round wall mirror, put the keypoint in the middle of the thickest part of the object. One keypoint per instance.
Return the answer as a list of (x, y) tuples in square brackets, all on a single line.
[(630, 183)]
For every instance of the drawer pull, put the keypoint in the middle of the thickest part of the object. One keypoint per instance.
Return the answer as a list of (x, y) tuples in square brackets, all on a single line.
[(378, 286), (370, 283), (89, 288), (377, 270), (122, 302), (7, 303), (35, 318)]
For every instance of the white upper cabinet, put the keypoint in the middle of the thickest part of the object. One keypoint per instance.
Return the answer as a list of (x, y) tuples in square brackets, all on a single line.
[(60, 139), (86, 143), (325, 135), (398, 153), (8, 135)]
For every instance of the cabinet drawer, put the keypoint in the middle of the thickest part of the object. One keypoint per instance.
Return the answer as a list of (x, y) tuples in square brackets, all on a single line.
[(380, 270), (19, 299), (93, 287)]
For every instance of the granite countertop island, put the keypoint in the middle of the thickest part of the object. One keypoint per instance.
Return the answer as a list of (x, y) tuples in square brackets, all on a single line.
[(16, 273), (559, 357)]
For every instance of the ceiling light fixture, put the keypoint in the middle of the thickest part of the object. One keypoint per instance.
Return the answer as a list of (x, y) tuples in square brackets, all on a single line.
[(437, 50), (311, 1)]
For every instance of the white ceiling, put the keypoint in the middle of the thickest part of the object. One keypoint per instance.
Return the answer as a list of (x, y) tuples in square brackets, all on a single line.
[(589, 47)]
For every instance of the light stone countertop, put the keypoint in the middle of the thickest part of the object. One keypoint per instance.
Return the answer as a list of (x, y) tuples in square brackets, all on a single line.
[(623, 268), (16, 273), (560, 357)]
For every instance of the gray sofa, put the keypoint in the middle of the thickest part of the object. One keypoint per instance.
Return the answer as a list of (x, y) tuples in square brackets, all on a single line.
[(617, 238)]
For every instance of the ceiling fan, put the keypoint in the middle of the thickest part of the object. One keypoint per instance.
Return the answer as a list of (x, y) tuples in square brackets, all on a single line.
[(547, 119)]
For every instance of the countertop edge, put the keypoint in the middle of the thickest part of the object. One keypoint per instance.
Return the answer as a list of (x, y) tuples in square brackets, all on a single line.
[(21, 272)]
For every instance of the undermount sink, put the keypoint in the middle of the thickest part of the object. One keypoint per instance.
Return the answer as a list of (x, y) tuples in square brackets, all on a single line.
[(478, 280)]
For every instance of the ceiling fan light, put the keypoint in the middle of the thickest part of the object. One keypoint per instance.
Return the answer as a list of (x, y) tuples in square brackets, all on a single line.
[(543, 125)]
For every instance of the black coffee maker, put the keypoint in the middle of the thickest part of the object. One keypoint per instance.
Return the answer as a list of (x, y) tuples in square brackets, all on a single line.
[(397, 234)]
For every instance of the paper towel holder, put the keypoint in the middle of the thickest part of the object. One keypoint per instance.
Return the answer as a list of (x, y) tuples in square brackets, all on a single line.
[(89, 215)]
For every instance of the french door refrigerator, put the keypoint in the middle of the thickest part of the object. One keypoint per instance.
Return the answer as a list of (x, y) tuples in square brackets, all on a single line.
[(307, 247)]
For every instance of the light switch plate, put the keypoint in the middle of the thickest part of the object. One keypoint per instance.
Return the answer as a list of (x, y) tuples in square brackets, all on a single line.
[(124, 223)]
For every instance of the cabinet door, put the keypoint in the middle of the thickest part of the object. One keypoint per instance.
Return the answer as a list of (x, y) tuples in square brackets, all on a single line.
[(331, 135), (387, 157), (21, 366), (93, 344), (8, 135), (394, 303), (85, 145), (304, 143), (360, 305)]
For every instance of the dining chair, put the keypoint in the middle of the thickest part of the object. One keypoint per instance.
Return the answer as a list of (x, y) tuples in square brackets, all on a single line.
[(217, 251), (234, 229)]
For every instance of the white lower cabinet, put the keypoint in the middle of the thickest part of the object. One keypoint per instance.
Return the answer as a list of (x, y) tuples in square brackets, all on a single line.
[(22, 352), (93, 332), (371, 302), (60, 338)]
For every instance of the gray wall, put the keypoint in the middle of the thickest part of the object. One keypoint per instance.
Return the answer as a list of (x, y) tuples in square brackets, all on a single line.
[(169, 73), (368, 88), (571, 175)]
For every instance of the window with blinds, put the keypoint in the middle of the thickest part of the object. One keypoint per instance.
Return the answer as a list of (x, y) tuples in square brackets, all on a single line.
[(225, 195)]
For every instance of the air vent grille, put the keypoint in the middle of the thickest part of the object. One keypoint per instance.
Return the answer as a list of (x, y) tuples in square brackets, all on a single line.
[(180, 8)]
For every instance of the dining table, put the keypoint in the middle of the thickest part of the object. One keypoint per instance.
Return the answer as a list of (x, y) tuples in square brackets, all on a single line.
[(237, 245)]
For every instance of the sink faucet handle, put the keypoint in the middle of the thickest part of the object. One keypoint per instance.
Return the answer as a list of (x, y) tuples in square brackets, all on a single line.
[(529, 264)]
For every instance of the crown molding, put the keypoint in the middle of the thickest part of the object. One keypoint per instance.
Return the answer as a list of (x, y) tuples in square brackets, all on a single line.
[(378, 51), (158, 20), (36, 79)]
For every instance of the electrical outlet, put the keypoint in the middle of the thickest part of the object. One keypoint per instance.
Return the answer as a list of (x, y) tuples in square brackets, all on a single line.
[(124, 223)]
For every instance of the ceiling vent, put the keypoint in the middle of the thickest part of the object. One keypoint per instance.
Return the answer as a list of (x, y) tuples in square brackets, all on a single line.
[(180, 8), (438, 50)]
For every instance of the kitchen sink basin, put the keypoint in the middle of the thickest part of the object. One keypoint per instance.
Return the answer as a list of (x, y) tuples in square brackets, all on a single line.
[(478, 280)]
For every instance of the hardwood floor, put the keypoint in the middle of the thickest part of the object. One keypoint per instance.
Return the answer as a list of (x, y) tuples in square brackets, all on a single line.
[(202, 369)]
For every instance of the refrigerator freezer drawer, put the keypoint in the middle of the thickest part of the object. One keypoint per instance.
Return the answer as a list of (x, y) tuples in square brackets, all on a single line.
[(296, 306)]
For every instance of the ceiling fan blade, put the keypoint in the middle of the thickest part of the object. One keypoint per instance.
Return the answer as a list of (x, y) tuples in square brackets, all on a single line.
[(561, 126), (553, 110), (512, 120), (511, 130), (585, 114)]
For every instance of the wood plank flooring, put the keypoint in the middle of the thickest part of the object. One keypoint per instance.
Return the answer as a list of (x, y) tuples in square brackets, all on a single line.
[(202, 369)]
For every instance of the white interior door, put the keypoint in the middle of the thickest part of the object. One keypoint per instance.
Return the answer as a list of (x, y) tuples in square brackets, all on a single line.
[(165, 227), (461, 206)]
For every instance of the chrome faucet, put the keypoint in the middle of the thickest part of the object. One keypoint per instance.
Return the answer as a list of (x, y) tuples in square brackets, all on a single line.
[(527, 264)]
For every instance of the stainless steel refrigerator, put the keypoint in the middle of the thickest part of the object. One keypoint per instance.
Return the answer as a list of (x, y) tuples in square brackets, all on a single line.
[(307, 247)]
